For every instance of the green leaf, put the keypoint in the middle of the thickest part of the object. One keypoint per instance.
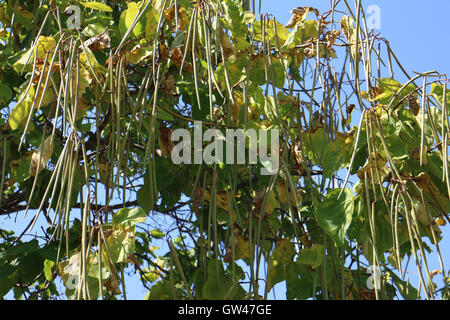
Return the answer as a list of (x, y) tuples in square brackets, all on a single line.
[(407, 291), (20, 169), (6, 279), (389, 88), (234, 70), (97, 6), (281, 35), (157, 234), (94, 269), (334, 214), (127, 218), (127, 17), (314, 143), (280, 262), (160, 291), (144, 200), (5, 93), (336, 156), (94, 29), (278, 73), (23, 248), (234, 15), (312, 256), (218, 286), (257, 73), (437, 91), (164, 115), (48, 273), (300, 288), (302, 33)]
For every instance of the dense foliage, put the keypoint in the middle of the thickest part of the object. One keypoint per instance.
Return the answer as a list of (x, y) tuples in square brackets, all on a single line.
[(86, 121)]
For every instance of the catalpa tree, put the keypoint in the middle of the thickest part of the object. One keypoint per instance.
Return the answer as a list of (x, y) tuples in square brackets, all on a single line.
[(335, 173)]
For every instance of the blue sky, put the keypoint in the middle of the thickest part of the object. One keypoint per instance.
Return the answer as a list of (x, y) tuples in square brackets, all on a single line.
[(418, 31), (419, 34)]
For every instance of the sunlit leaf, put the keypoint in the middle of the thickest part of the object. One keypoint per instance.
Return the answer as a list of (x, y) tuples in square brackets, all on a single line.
[(43, 46), (41, 156), (127, 218), (97, 6)]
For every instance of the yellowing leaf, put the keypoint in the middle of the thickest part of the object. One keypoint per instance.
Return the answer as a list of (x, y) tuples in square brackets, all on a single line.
[(104, 171), (43, 46), (294, 195), (237, 105), (164, 140), (137, 54), (41, 156), (225, 41), (249, 17), (82, 107), (97, 6), (19, 114), (240, 245), (349, 30), (120, 244), (89, 60), (375, 168), (221, 199), (73, 267)]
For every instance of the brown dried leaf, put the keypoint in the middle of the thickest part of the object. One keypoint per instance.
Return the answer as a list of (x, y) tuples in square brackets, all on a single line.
[(181, 18), (331, 37), (169, 85), (350, 108), (113, 285), (298, 158), (228, 48), (164, 140), (196, 199), (302, 10), (177, 58), (99, 42), (299, 14), (374, 92), (414, 105), (440, 221), (292, 22)]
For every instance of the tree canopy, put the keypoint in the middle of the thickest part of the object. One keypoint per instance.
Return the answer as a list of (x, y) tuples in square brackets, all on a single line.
[(91, 94)]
